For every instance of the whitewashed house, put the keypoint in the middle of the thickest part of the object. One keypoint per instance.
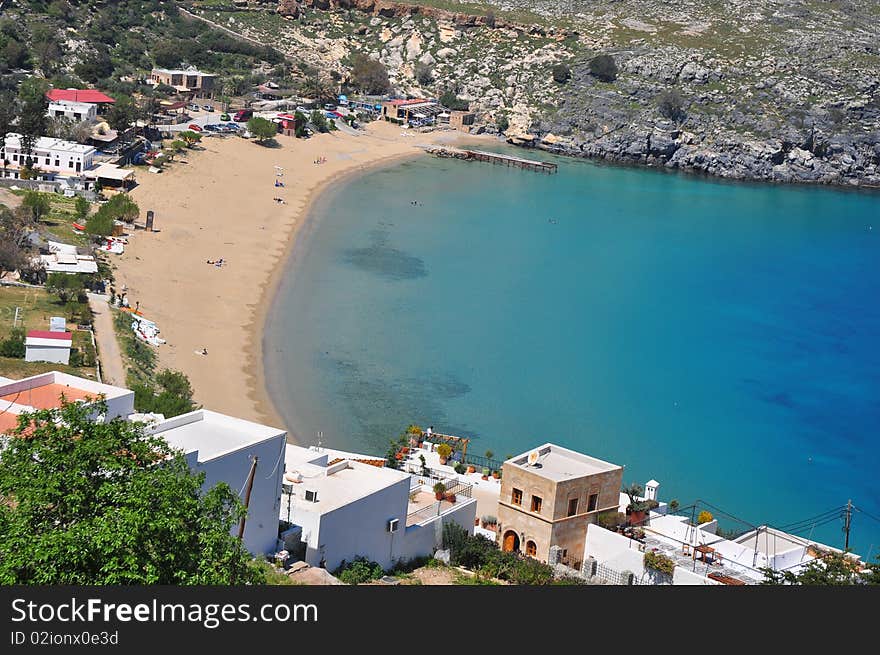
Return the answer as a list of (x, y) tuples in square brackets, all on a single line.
[(52, 346), (247, 456), (75, 111), (50, 157), (343, 508), (63, 258)]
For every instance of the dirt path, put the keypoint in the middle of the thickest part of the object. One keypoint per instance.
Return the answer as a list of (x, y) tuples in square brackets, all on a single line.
[(112, 370), (9, 199)]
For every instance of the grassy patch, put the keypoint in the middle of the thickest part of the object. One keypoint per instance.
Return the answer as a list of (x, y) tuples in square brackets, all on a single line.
[(18, 368), (138, 357)]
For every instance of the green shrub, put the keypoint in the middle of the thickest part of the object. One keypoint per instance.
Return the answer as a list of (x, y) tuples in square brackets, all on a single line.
[(460, 468), (561, 73), (604, 67), (610, 520), (659, 562), (360, 570), (13, 345)]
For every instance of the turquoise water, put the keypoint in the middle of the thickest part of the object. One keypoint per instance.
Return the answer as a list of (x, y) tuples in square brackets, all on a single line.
[(721, 338)]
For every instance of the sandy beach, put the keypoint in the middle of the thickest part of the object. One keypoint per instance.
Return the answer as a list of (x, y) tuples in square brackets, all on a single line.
[(220, 204)]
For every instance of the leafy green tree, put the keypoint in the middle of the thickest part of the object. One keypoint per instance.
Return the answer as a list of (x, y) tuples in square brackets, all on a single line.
[(450, 100), (604, 67), (670, 103), (172, 395), (832, 569), (360, 570), (8, 113), (32, 119), (13, 345), (100, 224), (121, 208), (103, 503), (64, 286), (36, 203), (319, 120), (96, 66), (262, 128), (369, 74), (561, 73), (122, 113), (81, 208), (190, 138), (502, 123)]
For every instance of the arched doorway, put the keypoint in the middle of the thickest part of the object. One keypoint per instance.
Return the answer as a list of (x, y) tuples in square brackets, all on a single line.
[(531, 548), (511, 542)]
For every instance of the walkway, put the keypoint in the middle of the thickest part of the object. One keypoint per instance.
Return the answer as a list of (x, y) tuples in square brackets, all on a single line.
[(112, 369)]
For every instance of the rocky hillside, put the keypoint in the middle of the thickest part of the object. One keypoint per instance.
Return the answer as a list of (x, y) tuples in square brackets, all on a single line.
[(785, 90)]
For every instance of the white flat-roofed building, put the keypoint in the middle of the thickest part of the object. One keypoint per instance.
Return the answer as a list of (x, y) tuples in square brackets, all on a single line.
[(47, 390), (183, 80), (345, 508), (225, 448), (46, 346), (50, 156), (75, 111), (64, 258)]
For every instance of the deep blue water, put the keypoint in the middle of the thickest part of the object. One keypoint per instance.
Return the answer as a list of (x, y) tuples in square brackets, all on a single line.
[(721, 338)]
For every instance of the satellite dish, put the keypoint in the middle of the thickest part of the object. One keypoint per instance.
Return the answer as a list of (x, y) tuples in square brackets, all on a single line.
[(533, 458)]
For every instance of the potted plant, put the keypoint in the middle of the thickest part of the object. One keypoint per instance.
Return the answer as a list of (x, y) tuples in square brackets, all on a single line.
[(444, 450), (638, 508), (490, 522), (439, 490), (656, 561), (450, 497), (471, 468), (485, 474), (496, 474)]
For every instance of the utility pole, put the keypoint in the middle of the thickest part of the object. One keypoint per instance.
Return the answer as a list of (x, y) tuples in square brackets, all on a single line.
[(247, 496), (846, 524)]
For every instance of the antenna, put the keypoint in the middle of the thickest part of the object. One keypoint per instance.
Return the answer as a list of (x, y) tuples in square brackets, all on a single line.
[(533, 457)]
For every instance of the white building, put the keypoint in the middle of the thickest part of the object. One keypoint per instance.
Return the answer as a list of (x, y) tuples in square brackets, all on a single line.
[(63, 258), (75, 111), (339, 510), (47, 390), (227, 449), (50, 156), (42, 346)]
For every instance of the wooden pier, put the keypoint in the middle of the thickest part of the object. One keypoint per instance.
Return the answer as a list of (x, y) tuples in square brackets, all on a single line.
[(493, 158), (518, 162)]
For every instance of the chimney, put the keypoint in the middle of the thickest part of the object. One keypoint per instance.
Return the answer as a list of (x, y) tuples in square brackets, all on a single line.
[(651, 490)]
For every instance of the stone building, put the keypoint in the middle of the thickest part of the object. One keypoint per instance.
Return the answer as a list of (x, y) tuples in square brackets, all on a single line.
[(548, 497)]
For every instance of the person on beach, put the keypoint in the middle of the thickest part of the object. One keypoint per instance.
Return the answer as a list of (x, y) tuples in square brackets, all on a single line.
[(204, 351)]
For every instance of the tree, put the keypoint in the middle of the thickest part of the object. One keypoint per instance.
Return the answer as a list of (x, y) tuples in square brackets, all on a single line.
[(96, 66), (319, 120), (32, 120), (37, 204), (121, 208), (8, 113), (169, 54), (81, 208), (13, 345), (424, 74), (671, 105), (191, 138), (832, 568), (262, 128), (16, 226), (64, 286), (103, 503), (604, 67), (369, 75), (100, 224), (172, 395), (122, 113), (561, 73), (450, 100), (490, 18), (11, 256), (502, 123), (44, 44)]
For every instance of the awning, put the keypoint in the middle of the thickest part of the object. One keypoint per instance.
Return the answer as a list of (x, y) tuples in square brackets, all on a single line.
[(110, 172)]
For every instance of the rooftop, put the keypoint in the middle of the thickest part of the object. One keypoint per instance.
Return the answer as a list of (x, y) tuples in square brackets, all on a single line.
[(90, 96), (211, 434), (43, 334), (558, 463), (13, 140), (178, 71), (337, 485)]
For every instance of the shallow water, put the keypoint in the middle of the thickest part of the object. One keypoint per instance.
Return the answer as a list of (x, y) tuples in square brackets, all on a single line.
[(721, 338)]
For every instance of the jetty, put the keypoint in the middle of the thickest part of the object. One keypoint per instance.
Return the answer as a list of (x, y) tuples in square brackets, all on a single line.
[(494, 158)]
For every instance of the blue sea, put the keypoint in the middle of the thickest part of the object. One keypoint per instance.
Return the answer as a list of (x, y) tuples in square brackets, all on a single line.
[(721, 338)]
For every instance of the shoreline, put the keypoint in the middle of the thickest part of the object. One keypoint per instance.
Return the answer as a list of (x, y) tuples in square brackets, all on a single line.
[(207, 205), (259, 388)]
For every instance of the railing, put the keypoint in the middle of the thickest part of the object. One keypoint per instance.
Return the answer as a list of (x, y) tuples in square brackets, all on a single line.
[(480, 462)]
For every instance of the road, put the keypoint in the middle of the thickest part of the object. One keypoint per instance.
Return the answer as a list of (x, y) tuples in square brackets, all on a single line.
[(112, 369)]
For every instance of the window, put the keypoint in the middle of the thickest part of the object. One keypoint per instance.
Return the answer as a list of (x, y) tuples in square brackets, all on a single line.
[(536, 503), (531, 548), (516, 497), (572, 507), (312, 496), (593, 504)]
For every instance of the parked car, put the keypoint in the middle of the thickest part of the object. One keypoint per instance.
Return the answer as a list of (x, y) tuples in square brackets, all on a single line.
[(193, 107), (243, 115), (194, 127), (224, 116), (329, 106), (208, 107), (212, 128)]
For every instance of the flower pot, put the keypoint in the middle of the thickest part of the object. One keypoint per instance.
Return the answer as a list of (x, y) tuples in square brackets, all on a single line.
[(439, 495), (496, 474), (450, 497), (485, 477), (471, 469), (442, 460)]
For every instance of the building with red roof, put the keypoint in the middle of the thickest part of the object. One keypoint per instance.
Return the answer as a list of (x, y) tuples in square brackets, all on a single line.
[(43, 346), (89, 96)]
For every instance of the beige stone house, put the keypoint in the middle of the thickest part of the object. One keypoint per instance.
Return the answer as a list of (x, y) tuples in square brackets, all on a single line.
[(548, 497)]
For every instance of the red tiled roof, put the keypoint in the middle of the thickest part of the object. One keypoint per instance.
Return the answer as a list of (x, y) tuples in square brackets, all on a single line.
[(47, 396), (79, 95), (42, 334)]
